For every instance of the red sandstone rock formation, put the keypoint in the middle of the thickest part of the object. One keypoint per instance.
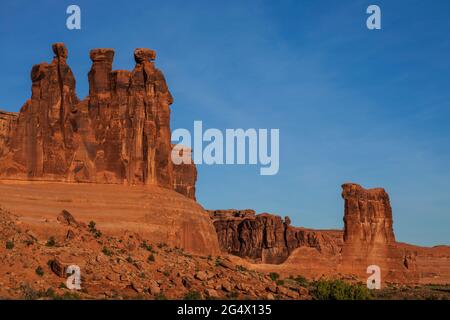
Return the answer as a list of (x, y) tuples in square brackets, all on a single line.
[(368, 215), (185, 177), (120, 133), (7, 123), (367, 239), (265, 238)]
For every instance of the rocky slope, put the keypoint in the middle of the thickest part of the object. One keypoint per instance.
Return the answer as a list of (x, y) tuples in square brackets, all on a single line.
[(158, 214), (120, 266)]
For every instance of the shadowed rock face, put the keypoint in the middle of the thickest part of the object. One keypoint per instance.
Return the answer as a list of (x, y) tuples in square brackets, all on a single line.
[(265, 237), (120, 133)]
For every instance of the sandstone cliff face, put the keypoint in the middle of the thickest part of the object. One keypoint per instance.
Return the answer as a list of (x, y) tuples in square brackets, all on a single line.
[(119, 134), (265, 238), (368, 215), (185, 176), (7, 123), (367, 239)]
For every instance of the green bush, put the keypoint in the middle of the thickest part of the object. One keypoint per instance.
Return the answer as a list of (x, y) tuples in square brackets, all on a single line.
[(192, 295), (51, 242), (274, 276), (107, 252), (160, 296), (301, 280), (91, 226), (39, 271), (339, 290), (9, 244), (151, 258), (147, 246)]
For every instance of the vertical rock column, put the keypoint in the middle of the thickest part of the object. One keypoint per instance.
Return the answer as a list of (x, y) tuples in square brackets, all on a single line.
[(369, 236)]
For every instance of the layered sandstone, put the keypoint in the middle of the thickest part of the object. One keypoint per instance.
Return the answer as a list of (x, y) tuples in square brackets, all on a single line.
[(119, 134), (7, 123), (265, 237), (157, 214), (367, 239)]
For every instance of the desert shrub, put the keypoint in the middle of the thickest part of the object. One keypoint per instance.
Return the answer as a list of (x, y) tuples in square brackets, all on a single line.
[(147, 246), (107, 252), (274, 276), (129, 259), (160, 296), (280, 282), (241, 268), (51, 242), (218, 262), (233, 295), (151, 258), (9, 244), (301, 280), (192, 295), (91, 225), (162, 245), (92, 228), (39, 271), (339, 290)]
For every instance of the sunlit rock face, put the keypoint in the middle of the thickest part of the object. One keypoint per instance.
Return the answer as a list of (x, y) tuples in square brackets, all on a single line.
[(119, 134)]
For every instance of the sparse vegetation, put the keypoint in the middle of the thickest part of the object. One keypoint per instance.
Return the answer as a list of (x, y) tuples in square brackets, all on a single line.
[(9, 245), (218, 262), (51, 242), (39, 271), (147, 246), (241, 268), (301, 280), (161, 245), (92, 229), (160, 296), (233, 295), (192, 295), (151, 258), (274, 276), (280, 282), (107, 252), (339, 290)]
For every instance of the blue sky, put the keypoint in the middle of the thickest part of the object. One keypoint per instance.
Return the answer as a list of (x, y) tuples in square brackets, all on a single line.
[(371, 107)]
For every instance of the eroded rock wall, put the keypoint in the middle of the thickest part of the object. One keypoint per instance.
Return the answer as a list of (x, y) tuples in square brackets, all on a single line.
[(119, 134)]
